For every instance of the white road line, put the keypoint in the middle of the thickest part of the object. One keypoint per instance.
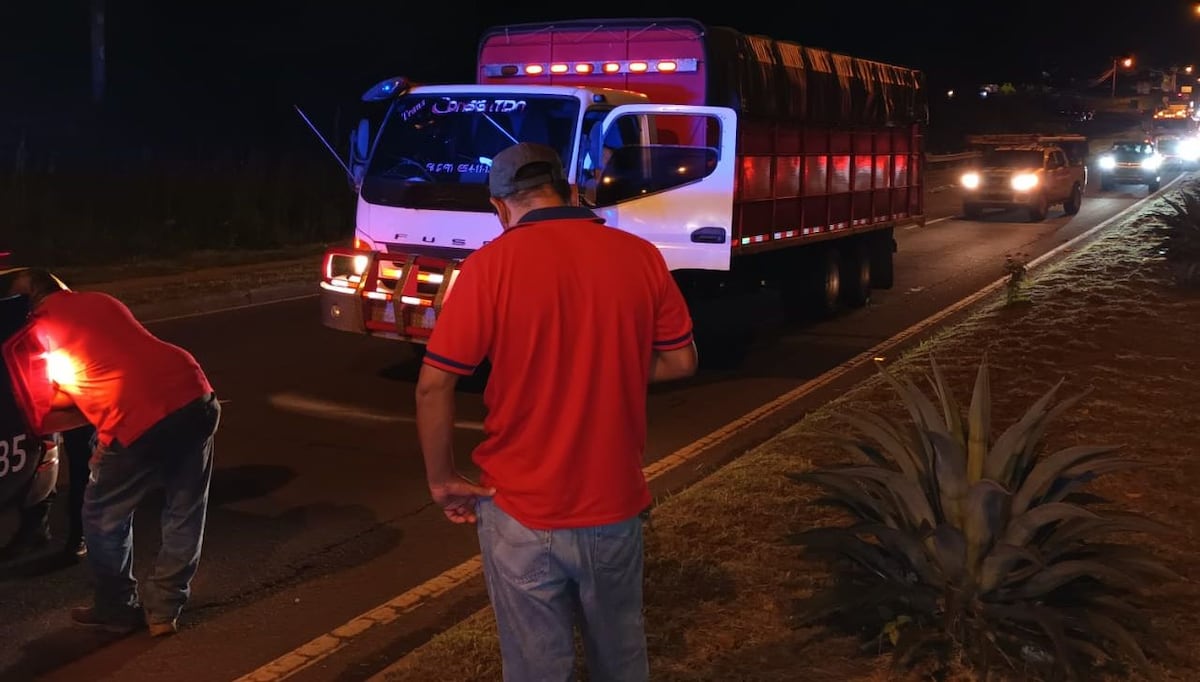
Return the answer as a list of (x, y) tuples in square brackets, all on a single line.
[(330, 643), (217, 311), (325, 409)]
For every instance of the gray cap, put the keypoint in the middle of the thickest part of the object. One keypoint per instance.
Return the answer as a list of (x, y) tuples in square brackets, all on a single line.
[(502, 181)]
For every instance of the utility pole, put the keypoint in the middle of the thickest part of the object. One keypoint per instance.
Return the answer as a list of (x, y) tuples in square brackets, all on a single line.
[(99, 61)]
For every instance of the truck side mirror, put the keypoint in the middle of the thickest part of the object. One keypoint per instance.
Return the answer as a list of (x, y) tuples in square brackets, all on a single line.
[(360, 142), (360, 148)]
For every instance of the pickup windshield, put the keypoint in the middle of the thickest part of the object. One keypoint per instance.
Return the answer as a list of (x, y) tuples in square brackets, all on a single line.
[(435, 151), (1012, 158)]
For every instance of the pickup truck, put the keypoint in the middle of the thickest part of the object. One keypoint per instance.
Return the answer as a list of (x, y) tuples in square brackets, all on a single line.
[(1032, 176)]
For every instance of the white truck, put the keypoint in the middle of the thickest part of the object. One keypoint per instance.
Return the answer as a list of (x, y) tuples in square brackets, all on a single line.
[(746, 160)]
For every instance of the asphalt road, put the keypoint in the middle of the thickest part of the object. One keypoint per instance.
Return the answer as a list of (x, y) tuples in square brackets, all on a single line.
[(319, 510)]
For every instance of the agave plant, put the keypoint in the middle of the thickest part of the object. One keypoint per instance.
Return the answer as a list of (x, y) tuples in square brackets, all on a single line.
[(985, 547)]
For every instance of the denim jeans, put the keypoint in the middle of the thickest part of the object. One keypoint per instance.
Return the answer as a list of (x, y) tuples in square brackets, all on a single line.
[(176, 453), (542, 582)]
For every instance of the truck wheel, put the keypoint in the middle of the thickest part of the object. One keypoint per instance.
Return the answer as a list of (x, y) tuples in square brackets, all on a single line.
[(1072, 204), (855, 276), (1038, 211), (1152, 187), (972, 211), (812, 287), (883, 271)]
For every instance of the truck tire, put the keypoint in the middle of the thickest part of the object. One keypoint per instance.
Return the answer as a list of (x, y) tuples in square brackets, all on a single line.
[(1038, 211), (855, 276), (883, 269), (1074, 202), (972, 211), (1152, 187), (811, 288)]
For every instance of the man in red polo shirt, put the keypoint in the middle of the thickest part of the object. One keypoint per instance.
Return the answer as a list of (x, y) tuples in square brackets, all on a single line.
[(155, 416), (576, 318)]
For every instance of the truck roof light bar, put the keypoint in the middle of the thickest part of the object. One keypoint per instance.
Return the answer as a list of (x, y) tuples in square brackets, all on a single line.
[(638, 66)]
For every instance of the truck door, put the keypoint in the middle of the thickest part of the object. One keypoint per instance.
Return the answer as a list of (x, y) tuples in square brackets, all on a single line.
[(667, 175)]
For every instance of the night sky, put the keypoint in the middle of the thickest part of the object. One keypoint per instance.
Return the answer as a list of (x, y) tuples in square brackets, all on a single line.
[(337, 40), (251, 59)]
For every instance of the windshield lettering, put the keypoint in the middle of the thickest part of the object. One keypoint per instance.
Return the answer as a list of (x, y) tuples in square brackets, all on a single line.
[(478, 106)]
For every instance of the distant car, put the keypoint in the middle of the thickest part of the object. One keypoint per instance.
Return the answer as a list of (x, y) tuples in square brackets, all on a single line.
[(28, 463), (1178, 151), (1131, 162)]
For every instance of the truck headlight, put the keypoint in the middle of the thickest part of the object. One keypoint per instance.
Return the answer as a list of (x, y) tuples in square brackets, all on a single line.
[(1151, 163), (361, 261), (969, 180), (1023, 182), (1108, 162)]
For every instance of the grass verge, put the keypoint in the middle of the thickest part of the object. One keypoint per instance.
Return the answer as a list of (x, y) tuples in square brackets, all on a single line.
[(721, 581)]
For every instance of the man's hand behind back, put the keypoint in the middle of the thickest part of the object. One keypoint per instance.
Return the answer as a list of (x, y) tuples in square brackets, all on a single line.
[(457, 498)]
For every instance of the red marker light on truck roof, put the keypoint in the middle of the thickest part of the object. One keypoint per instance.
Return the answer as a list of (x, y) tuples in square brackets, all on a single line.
[(534, 69), (638, 67), (583, 67), (667, 66), (612, 67), (559, 68)]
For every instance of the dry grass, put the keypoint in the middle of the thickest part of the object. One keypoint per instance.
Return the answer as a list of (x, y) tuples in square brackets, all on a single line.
[(721, 582)]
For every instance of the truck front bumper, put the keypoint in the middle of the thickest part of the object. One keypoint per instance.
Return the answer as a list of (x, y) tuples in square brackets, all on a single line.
[(386, 295)]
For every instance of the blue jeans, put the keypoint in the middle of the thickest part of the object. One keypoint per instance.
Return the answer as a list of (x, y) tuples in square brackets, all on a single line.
[(543, 582), (176, 453)]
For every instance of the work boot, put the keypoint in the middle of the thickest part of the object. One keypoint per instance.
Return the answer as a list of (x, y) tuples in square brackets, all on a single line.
[(32, 534), (75, 547), (125, 620)]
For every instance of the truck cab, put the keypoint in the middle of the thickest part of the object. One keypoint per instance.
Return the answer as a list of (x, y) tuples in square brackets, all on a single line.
[(1032, 177), (423, 196)]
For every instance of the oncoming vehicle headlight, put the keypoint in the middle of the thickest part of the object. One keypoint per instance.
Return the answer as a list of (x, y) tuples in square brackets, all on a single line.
[(1189, 149), (970, 180), (1151, 162), (1108, 162), (1024, 181)]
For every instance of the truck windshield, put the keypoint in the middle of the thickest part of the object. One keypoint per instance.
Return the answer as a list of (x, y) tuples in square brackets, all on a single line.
[(435, 151), (1012, 158)]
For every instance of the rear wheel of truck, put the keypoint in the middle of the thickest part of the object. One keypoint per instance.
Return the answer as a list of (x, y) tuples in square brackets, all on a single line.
[(855, 276), (1152, 187), (883, 271), (1073, 202), (1038, 211), (973, 211), (811, 286)]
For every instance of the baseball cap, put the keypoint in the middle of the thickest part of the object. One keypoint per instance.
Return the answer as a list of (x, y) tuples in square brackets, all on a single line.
[(508, 164)]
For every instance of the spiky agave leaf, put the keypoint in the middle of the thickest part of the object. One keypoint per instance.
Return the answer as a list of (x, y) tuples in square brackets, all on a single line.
[(951, 411), (1017, 557), (1003, 456), (979, 423)]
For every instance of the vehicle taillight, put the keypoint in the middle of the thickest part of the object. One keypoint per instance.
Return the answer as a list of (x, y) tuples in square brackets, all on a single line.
[(29, 367)]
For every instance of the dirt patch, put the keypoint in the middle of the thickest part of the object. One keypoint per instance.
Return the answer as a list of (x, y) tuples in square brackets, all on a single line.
[(721, 582)]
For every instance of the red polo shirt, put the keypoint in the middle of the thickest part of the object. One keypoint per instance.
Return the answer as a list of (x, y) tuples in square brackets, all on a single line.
[(126, 379), (568, 311)]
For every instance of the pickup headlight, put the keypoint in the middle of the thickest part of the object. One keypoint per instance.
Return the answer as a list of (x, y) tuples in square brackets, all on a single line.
[(1151, 163), (1023, 182), (1189, 149), (970, 180), (1108, 162)]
